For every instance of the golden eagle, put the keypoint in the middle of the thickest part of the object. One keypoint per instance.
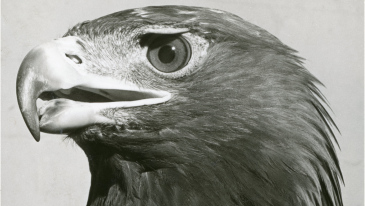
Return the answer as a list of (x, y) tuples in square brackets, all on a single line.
[(177, 105)]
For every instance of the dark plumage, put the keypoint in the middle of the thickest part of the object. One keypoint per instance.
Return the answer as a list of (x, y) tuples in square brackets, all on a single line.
[(244, 126)]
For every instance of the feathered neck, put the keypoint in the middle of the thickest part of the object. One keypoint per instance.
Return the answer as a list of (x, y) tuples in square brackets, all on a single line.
[(228, 173)]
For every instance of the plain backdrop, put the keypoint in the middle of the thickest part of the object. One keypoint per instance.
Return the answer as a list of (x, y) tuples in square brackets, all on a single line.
[(327, 33)]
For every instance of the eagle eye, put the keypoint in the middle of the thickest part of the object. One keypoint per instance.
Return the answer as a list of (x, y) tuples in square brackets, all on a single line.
[(169, 53)]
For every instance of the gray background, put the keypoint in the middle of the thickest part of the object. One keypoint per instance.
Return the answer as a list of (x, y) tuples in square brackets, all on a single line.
[(328, 33)]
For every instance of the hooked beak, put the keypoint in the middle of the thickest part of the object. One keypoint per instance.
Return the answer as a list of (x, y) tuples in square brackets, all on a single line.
[(53, 72)]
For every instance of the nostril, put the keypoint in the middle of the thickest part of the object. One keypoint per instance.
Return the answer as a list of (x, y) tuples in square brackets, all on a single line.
[(74, 58)]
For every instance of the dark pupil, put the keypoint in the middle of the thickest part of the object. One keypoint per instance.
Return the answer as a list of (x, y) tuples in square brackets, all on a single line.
[(166, 54)]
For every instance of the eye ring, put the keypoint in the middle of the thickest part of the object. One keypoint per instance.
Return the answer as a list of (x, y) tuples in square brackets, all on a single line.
[(169, 53)]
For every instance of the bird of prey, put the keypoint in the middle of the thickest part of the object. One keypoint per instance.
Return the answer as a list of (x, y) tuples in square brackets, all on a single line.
[(177, 105)]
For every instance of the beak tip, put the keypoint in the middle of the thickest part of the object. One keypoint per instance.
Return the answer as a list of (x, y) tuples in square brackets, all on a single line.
[(35, 132), (32, 122), (37, 137)]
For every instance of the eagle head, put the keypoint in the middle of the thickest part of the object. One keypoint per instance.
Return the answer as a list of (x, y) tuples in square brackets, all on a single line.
[(177, 105)]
